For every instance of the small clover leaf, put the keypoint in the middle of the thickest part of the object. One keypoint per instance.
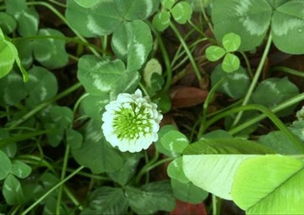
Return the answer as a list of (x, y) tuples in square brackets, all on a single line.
[(182, 12), (231, 42), (168, 4), (214, 53), (161, 20), (230, 63)]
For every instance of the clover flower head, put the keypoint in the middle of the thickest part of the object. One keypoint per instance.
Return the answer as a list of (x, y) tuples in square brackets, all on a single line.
[(300, 114), (131, 122)]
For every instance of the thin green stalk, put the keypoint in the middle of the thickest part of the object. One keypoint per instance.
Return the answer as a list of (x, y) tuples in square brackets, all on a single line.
[(181, 39), (255, 79), (21, 137), (57, 3), (148, 168), (278, 108), (43, 105), (276, 121), (32, 206), (214, 205), (249, 69), (63, 172), (57, 13), (288, 70)]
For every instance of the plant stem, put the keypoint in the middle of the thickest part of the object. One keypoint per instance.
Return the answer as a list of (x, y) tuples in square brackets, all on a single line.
[(278, 108), (279, 124), (64, 167), (51, 190), (43, 105), (194, 65), (288, 70), (255, 79)]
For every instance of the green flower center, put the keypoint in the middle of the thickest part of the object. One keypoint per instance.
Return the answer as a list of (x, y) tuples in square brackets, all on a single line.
[(131, 123)]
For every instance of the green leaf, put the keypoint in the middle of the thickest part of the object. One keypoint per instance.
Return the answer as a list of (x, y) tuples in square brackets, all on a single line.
[(127, 171), (95, 153), (175, 170), (214, 53), (50, 52), (27, 17), (93, 105), (274, 91), (42, 85), (5, 166), (74, 139), (288, 27), (188, 192), (107, 16), (262, 184), (231, 42), (150, 198), (7, 23), (250, 19), (182, 12), (133, 42), (11, 148), (234, 84), (87, 3), (171, 142), (226, 146), (103, 76), (161, 20), (20, 169), (8, 54), (168, 4), (107, 200), (12, 191), (152, 67), (230, 63), (213, 173)]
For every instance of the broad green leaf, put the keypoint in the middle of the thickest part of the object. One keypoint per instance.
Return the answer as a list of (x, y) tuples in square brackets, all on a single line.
[(74, 139), (103, 76), (133, 42), (93, 105), (164, 102), (95, 153), (171, 142), (107, 16), (14, 89), (168, 4), (188, 192), (7, 23), (276, 3), (42, 85), (50, 207), (234, 84), (230, 63), (107, 200), (175, 170), (11, 148), (12, 191), (250, 19), (279, 142), (50, 52), (25, 51), (5, 166), (150, 198), (125, 173), (216, 134), (274, 91), (262, 184), (27, 17), (20, 169), (8, 55), (226, 146), (182, 12), (288, 27), (214, 53), (231, 42), (87, 3), (213, 173), (161, 20)]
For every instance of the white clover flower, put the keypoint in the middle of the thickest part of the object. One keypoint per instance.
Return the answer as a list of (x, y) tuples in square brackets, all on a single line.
[(131, 122), (300, 114)]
